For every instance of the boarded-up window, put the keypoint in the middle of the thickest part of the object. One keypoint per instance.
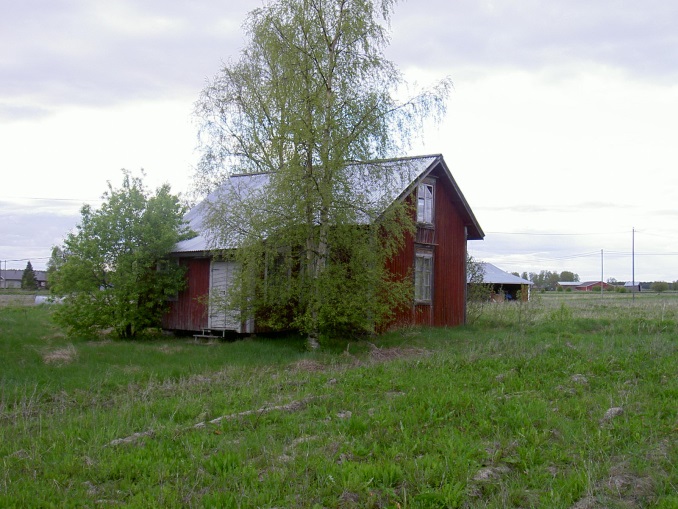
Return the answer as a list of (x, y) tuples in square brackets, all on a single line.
[(423, 277), (221, 315), (425, 203)]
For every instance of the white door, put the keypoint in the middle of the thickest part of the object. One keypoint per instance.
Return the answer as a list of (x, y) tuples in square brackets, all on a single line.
[(221, 278)]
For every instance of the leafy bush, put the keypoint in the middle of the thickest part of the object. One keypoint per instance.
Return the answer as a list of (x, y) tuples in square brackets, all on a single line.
[(113, 273)]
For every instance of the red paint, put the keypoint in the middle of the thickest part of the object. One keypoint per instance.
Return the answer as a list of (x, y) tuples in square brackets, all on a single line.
[(447, 240), (189, 311)]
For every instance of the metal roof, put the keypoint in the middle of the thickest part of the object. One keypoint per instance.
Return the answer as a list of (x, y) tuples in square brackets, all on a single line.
[(494, 275), (18, 274), (236, 188), (375, 185), (591, 283)]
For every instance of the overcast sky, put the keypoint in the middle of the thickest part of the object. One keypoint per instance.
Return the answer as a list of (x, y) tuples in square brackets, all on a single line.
[(562, 129)]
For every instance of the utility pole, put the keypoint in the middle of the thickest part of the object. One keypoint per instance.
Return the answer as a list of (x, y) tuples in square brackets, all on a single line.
[(633, 263), (602, 281)]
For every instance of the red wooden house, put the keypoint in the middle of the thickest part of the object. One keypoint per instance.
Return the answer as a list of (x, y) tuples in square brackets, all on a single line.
[(435, 255)]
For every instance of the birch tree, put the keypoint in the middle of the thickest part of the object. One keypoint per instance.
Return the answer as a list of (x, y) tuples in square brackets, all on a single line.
[(311, 95)]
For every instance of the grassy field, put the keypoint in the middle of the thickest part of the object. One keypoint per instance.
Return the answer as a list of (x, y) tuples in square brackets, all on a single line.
[(570, 401)]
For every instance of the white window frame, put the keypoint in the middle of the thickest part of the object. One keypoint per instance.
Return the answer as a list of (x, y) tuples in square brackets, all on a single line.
[(425, 203), (423, 277)]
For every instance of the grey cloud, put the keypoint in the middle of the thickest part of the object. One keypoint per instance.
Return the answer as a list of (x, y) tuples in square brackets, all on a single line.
[(639, 37), (22, 111), (520, 209), (78, 52), (30, 234), (69, 53), (573, 206)]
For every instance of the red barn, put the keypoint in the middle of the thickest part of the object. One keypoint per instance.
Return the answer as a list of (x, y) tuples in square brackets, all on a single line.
[(435, 255), (590, 286)]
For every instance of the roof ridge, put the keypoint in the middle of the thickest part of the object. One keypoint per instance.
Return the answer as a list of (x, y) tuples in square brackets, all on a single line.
[(253, 174), (393, 159), (369, 161)]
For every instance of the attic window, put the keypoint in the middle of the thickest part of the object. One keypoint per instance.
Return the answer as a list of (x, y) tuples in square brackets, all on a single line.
[(425, 203)]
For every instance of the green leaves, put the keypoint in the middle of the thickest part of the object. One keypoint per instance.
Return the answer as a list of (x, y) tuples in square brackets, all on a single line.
[(110, 276), (311, 94)]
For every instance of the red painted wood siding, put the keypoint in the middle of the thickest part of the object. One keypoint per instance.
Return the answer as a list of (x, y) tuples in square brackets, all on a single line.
[(448, 241), (402, 266), (449, 301), (189, 311)]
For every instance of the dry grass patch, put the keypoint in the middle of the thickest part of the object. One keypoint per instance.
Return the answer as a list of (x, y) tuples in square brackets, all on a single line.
[(16, 300), (99, 342), (55, 335), (308, 365), (389, 354), (64, 355), (169, 349)]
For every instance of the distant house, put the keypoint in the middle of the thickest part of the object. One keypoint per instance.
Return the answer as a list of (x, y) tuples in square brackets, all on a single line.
[(630, 286), (434, 257), (591, 286), (586, 286), (505, 286), (572, 285), (11, 278)]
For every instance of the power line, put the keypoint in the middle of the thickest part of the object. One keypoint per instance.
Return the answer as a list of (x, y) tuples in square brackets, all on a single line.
[(28, 259), (36, 198), (627, 253), (556, 234)]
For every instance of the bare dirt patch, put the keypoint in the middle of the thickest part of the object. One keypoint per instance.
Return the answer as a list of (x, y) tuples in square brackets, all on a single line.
[(622, 488), (491, 473)]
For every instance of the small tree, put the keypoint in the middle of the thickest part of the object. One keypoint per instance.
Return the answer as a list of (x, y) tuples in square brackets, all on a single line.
[(55, 261), (567, 275), (478, 292), (659, 286), (115, 273), (28, 279)]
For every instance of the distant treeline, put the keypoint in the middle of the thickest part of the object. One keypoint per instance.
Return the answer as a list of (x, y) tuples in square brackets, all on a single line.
[(548, 280)]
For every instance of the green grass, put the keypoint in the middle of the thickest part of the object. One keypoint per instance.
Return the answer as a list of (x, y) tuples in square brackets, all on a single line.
[(507, 412)]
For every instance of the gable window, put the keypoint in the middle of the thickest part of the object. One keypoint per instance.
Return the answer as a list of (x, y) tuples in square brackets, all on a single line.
[(425, 203), (423, 277)]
